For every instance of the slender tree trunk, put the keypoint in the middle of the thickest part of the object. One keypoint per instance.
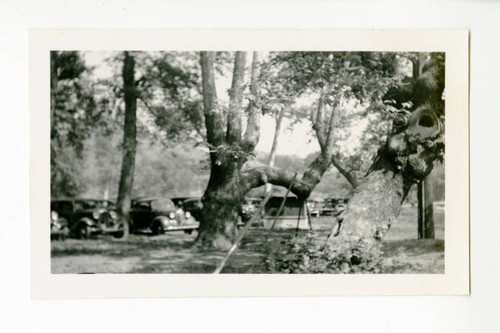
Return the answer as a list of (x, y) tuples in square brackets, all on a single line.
[(429, 232), (129, 143), (274, 147), (348, 176), (420, 210)]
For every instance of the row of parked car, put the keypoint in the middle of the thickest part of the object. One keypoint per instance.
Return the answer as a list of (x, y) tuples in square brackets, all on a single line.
[(81, 218)]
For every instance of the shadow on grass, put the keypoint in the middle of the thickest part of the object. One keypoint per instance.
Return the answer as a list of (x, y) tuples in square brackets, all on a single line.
[(135, 245), (175, 252), (413, 247)]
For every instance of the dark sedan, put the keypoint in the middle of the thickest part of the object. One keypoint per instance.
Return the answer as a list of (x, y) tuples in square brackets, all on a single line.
[(85, 217), (160, 215)]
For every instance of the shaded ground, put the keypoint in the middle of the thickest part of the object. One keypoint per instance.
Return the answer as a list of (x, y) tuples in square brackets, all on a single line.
[(174, 252)]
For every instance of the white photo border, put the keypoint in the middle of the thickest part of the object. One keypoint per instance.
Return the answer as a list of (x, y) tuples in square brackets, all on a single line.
[(455, 280)]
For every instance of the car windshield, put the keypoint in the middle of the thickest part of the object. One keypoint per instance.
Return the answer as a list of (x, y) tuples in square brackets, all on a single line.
[(92, 204), (196, 203), (162, 204)]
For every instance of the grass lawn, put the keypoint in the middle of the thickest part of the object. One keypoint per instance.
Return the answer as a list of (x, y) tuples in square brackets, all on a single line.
[(174, 252)]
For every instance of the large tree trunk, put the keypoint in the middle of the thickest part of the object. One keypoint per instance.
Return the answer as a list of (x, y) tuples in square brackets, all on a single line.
[(374, 206), (405, 159), (221, 206), (129, 143), (223, 196)]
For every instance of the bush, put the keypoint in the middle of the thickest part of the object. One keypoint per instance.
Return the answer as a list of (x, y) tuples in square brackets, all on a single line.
[(310, 255)]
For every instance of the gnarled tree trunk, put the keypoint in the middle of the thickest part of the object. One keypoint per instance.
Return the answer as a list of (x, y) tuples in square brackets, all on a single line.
[(223, 197), (405, 159)]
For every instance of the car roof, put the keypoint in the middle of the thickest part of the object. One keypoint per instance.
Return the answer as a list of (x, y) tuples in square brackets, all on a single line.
[(193, 199), (79, 199), (150, 199)]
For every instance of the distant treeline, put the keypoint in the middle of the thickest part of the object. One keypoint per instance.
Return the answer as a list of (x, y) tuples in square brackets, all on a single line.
[(182, 170)]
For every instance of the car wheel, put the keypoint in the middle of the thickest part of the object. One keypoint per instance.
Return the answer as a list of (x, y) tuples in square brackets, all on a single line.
[(157, 229), (120, 232), (83, 231)]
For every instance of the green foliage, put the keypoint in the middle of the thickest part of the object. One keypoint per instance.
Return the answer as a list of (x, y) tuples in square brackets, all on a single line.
[(364, 76), (65, 173), (178, 170), (73, 114), (233, 152), (169, 87), (73, 108), (351, 87), (310, 255)]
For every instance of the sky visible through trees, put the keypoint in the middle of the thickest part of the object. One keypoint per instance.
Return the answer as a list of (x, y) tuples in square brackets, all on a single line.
[(297, 144)]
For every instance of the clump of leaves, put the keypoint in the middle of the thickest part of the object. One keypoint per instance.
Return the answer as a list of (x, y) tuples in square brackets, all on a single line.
[(233, 152), (310, 255)]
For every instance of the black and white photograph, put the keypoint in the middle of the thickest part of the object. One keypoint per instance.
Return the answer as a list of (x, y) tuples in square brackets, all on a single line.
[(247, 162), (232, 161), (249, 166)]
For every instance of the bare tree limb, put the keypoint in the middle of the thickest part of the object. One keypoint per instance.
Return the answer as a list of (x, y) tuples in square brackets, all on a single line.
[(236, 99), (347, 174), (318, 123), (213, 118), (252, 133), (255, 176)]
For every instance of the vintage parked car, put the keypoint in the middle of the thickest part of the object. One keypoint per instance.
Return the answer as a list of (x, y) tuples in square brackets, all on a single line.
[(87, 216), (249, 208), (193, 206), (160, 215), (179, 200), (314, 207), (58, 227), (334, 206)]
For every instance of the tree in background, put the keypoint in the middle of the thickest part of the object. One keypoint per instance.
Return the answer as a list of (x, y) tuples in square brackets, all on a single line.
[(340, 80), (129, 142), (73, 113)]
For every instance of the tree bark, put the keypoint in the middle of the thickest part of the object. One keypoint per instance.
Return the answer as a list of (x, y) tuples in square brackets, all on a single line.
[(405, 159), (252, 132), (129, 143), (426, 224), (223, 196), (236, 99), (274, 147)]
